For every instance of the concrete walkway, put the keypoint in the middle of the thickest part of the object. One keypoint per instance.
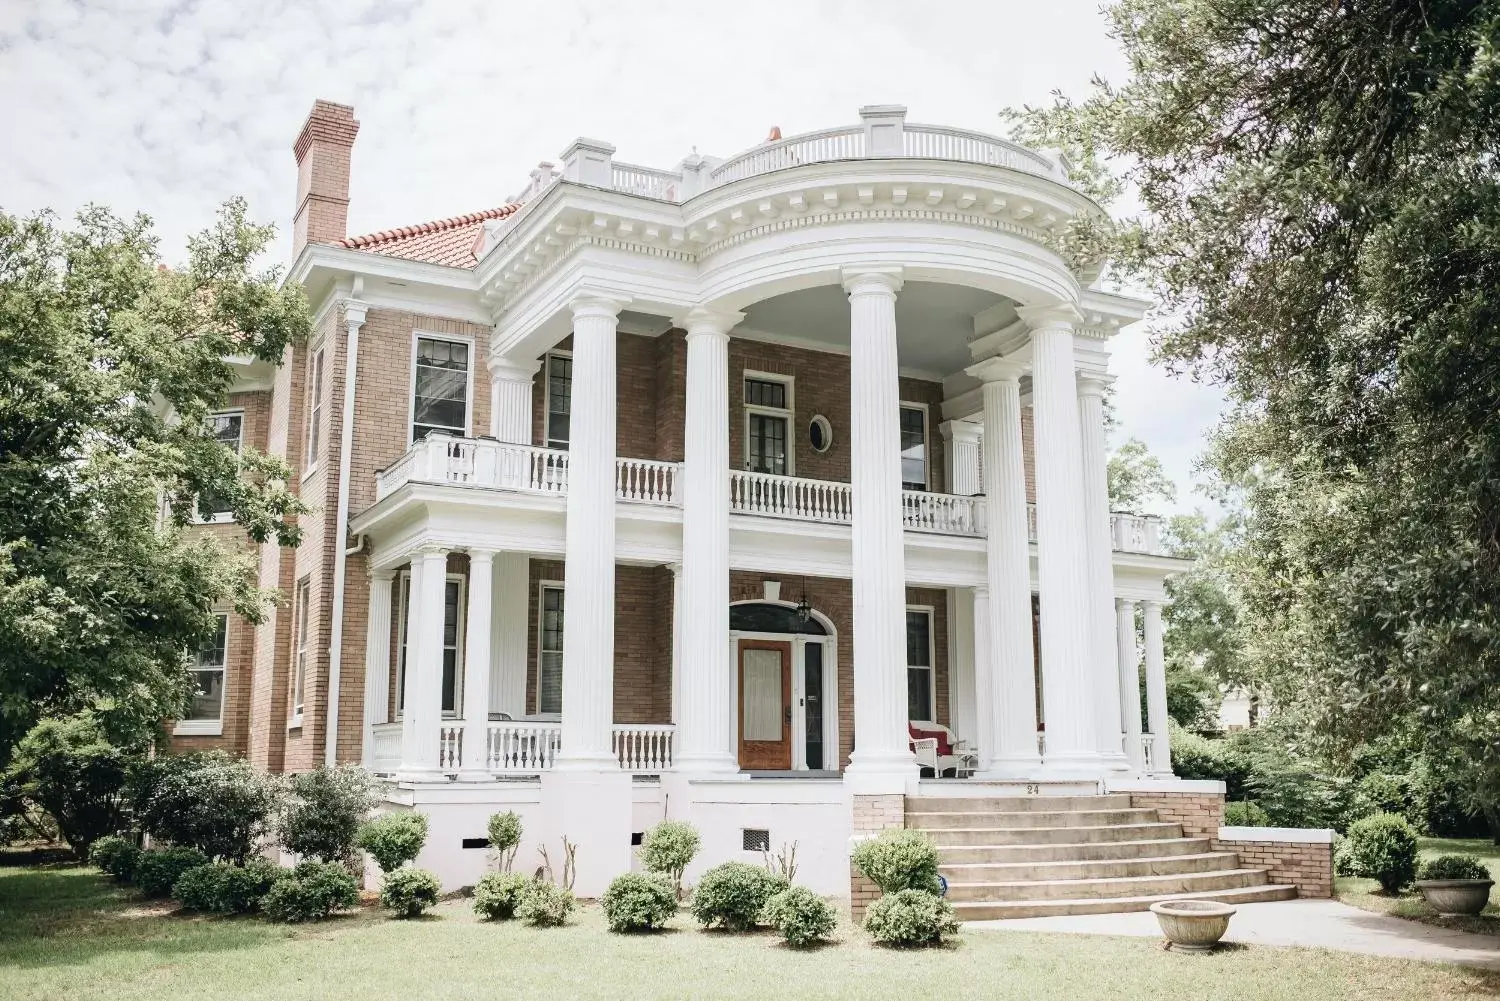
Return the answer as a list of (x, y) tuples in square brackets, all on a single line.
[(1312, 924)]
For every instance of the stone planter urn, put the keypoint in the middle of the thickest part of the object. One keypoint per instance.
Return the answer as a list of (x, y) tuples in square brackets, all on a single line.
[(1455, 897), (1193, 925)]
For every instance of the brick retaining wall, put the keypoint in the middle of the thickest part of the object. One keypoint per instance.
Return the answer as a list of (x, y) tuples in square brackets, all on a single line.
[(1199, 813), (872, 814), (1300, 858)]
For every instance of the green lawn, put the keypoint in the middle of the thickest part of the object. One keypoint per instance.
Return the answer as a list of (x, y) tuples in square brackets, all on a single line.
[(1365, 893), (66, 934)]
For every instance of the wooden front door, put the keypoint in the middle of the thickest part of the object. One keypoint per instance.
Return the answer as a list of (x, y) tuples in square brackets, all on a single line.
[(765, 705)]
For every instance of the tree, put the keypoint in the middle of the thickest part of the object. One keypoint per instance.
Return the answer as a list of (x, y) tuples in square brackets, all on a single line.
[(1136, 478), (111, 365), (69, 769), (1322, 218)]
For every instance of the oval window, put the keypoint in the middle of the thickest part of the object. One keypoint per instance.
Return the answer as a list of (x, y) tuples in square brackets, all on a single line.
[(820, 434)]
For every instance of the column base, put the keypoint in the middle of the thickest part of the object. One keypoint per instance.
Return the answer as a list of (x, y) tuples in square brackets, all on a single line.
[(1016, 767), (418, 774), (874, 774), (706, 764), (588, 761), (1076, 765), (592, 809)]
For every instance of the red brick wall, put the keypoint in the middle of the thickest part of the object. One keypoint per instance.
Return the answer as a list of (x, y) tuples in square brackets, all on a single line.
[(1200, 813), (1307, 866)]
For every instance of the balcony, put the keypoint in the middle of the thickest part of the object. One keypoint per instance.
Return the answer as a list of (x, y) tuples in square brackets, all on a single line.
[(527, 747), (488, 464)]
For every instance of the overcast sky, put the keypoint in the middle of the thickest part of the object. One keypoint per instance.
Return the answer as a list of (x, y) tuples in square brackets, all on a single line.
[(169, 108)]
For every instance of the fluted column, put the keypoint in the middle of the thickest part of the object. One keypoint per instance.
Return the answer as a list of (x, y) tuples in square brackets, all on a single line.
[(962, 466), (476, 707), (1103, 662), (676, 571), (1011, 663), (1156, 689), (508, 631), (882, 758), (510, 399), (377, 659), (589, 589), (704, 734), (1128, 658), (1062, 559), (986, 724), (422, 704)]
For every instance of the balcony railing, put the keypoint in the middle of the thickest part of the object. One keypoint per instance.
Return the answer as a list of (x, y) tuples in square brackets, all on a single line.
[(790, 497), (1135, 533), (528, 747)]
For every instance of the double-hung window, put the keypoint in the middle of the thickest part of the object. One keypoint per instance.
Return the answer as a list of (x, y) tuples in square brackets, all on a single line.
[(205, 712), (440, 389), (919, 664), (559, 399), (314, 410), (550, 650), (768, 417), (913, 448), (453, 609), (228, 429), (300, 629)]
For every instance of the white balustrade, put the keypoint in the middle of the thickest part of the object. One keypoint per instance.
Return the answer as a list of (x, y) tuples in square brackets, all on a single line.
[(1148, 753), (646, 480), (450, 746), (1135, 533), (648, 182), (643, 748), (939, 142), (521, 745), (950, 514), (385, 747), (790, 497), (842, 143)]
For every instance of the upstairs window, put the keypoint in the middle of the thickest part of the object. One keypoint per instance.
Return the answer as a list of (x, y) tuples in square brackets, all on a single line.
[(913, 448), (228, 428), (768, 416), (919, 664), (440, 393), (314, 410), (208, 676), (300, 629), (559, 399)]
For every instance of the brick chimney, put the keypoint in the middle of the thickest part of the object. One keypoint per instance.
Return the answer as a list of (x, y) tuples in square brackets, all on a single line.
[(322, 150)]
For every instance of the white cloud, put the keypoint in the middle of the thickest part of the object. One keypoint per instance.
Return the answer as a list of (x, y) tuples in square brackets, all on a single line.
[(169, 108)]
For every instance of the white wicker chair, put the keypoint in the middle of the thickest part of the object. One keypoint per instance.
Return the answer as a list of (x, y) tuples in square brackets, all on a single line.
[(962, 758)]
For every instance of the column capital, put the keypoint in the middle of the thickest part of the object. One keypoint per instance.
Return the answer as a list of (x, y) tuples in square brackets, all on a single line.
[(981, 592), (1124, 603), (504, 369), (481, 555), (385, 575), (1093, 383), (354, 314), (432, 551), (675, 568), (597, 302), (997, 370), (961, 431), (707, 320), (1057, 316), (872, 280)]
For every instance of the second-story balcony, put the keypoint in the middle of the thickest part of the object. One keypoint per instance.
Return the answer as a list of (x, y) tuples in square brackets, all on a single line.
[(492, 465)]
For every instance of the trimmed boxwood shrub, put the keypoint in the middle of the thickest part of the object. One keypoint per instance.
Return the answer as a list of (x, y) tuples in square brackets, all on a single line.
[(226, 888), (213, 801), (668, 848), (394, 839), (1382, 847), (158, 870), (115, 856), (910, 918), (544, 905), (323, 811), (1453, 867), (409, 892), (733, 894), (898, 859), (311, 892), (636, 902), (800, 915), (498, 894), (1245, 813)]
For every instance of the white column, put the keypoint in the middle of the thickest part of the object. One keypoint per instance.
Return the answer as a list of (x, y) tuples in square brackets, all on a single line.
[(676, 570), (422, 704), (882, 760), (1011, 663), (961, 462), (508, 631), (1103, 660), (1156, 689), (986, 723), (589, 590), (510, 399), (704, 735), (476, 707), (962, 697), (377, 658), (1128, 658), (1062, 560)]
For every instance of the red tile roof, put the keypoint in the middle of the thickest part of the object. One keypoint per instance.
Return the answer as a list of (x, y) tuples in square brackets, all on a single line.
[(446, 241)]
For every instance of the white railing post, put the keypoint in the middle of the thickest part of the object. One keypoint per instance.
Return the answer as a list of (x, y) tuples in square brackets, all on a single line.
[(883, 127), (589, 161)]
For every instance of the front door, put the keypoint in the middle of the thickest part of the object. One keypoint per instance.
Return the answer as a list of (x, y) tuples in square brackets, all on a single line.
[(765, 705)]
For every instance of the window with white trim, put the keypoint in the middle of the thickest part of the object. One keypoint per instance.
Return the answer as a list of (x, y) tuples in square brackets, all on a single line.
[(440, 388), (559, 399), (453, 609), (300, 629), (768, 418), (207, 703), (913, 448), (549, 649), (919, 686), (228, 428), (314, 410)]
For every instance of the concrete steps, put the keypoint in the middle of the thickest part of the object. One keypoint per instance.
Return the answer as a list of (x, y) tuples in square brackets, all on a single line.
[(1042, 855)]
